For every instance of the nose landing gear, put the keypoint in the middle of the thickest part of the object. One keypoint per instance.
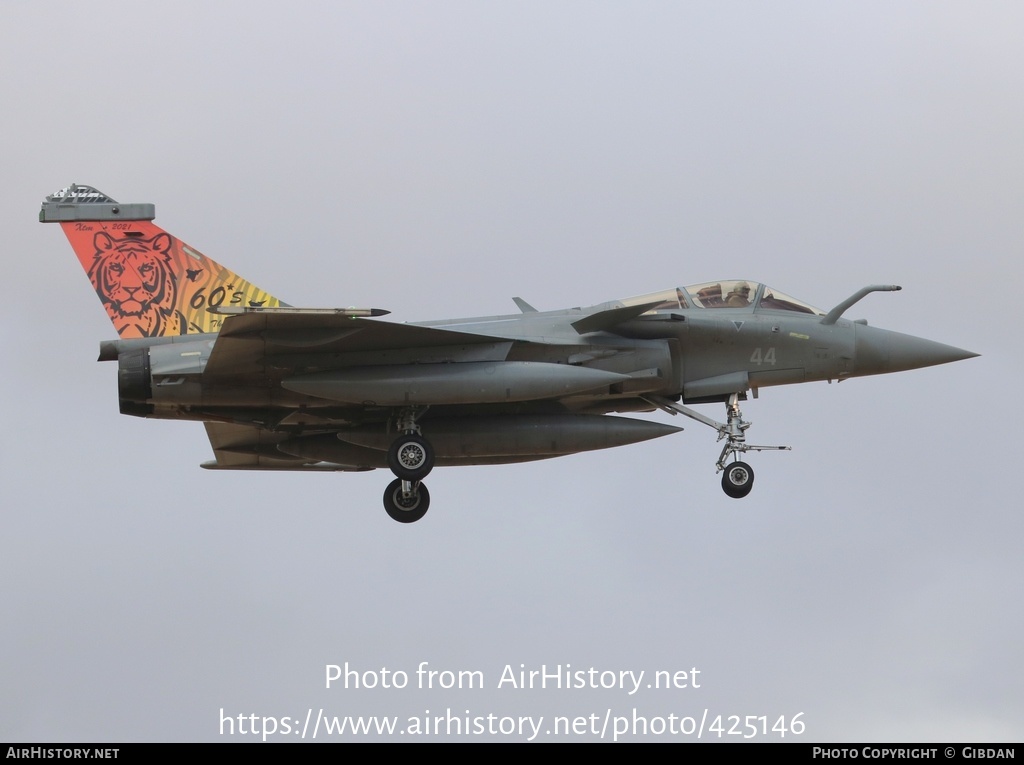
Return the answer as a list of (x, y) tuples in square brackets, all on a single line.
[(738, 478)]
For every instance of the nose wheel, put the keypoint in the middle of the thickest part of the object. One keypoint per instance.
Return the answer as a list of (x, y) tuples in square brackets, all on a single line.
[(738, 480)]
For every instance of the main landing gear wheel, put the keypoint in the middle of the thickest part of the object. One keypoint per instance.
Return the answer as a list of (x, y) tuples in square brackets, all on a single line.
[(406, 507), (738, 480), (411, 457)]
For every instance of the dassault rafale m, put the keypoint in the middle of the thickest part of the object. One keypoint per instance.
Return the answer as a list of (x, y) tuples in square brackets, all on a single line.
[(313, 389)]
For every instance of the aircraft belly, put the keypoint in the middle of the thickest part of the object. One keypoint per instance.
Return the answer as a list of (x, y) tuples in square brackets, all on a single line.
[(768, 377), (327, 448), (519, 435), (734, 382), (461, 383)]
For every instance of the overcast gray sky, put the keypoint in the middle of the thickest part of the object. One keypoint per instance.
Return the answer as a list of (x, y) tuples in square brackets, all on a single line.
[(437, 159)]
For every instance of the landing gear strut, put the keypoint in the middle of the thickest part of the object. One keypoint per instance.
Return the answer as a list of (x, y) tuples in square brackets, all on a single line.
[(411, 458), (738, 478)]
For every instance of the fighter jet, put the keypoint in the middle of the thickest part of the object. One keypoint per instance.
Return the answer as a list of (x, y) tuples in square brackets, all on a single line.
[(338, 389)]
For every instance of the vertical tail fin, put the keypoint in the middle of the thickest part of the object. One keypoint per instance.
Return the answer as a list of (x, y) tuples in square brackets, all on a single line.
[(151, 283)]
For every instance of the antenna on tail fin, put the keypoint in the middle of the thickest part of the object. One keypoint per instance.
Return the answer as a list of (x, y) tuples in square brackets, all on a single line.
[(151, 283)]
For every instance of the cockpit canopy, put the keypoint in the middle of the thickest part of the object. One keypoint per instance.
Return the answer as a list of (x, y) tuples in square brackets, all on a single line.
[(727, 293)]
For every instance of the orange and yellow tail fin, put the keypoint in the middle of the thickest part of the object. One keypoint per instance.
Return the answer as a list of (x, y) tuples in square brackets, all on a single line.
[(151, 283)]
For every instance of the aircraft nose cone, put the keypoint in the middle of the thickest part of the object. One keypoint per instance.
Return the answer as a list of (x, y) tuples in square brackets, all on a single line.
[(881, 350)]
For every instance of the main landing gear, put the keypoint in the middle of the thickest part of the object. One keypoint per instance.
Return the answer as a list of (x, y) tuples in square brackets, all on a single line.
[(411, 458), (738, 477)]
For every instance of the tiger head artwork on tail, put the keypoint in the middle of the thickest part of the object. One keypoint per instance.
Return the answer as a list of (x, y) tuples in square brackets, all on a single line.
[(151, 283), (134, 281)]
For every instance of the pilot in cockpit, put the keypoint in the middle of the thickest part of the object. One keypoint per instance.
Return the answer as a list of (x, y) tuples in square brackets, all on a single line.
[(739, 296)]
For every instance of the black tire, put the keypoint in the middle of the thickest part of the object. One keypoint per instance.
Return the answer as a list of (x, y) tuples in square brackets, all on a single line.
[(406, 510), (738, 480), (411, 457)]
